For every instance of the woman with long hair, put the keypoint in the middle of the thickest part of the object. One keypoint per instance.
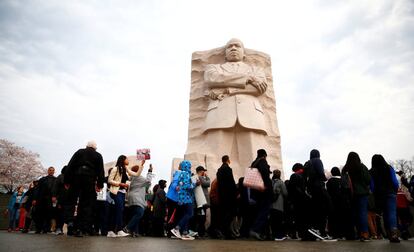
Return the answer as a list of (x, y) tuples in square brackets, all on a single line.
[(360, 180), (385, 186), (117, 179)]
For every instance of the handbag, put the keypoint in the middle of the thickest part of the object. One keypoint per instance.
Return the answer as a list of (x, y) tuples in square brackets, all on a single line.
[(253, 179), (199, 196)]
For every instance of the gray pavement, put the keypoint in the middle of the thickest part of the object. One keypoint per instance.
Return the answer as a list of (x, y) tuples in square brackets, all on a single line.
[(11, 242)]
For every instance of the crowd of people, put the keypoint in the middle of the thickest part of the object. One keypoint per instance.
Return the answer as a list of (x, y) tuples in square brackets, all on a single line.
[(355, 203)]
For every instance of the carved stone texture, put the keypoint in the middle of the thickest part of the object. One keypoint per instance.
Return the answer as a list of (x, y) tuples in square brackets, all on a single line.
[(232, 109)]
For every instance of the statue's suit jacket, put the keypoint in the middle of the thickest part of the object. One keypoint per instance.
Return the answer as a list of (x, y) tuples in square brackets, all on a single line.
[(244, 108)]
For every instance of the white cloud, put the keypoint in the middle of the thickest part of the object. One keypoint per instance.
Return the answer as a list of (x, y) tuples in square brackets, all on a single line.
[(119, 73)]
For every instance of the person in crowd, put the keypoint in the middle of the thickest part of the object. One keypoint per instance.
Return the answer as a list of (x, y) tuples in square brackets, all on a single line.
[(204, 182), (84, 176), (385, 186), (159, 209), (101, 210), (279, 195), (360, 181), (118, 188), (300, 202), (136, 197), (214, 228), (172, 202), (247, 209), (289, 219), (372, 217), (145, 228), (320, 201), (28, 205), (22, 212), (262, 198), (185, 201), (227, 193), (110, 208), (404, 199), (13, 208), (339, 220), (43, 202), (59, 199)]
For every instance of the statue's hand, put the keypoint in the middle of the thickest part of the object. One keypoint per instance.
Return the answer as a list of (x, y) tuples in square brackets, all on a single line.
[(260, 85), (212, 95)]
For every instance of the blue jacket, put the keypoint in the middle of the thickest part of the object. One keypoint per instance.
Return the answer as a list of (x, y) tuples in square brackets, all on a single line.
[(172, 194), (12, 200), (185, 194), (394, 181)]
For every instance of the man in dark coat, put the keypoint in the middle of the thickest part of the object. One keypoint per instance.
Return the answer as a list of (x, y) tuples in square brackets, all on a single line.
[(43, 202), (83, 177), (263, 198), (227, 192), (59, 199)]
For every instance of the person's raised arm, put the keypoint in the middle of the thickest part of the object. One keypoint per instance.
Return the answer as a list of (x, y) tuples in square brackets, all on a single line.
[(140, 169)]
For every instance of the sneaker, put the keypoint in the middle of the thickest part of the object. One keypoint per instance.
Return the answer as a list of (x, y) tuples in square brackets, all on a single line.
[(364, 239), (122, 234), (256, 236), (125, 230), (329, 238), (111, 234), (192, 233), (315, 233), (176, 233), (187, 237), (280, 239)]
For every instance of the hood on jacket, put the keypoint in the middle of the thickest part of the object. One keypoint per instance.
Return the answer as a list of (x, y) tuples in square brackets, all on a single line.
[(315, 154), (185, 165)]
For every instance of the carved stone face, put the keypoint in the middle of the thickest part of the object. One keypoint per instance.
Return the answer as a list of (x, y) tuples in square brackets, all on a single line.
[(234, 51)]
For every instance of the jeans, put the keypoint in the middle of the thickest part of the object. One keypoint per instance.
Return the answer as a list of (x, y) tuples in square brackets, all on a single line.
[(119, 199), (187, 213), (263, 206), (390, 211), (361, 212), (136, 212), (13, 213)]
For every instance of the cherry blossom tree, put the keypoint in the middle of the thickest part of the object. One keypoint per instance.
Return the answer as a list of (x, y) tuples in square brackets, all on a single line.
[(18, 166)]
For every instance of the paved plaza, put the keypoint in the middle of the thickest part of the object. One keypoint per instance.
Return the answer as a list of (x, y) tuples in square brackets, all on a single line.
[(11, 242)]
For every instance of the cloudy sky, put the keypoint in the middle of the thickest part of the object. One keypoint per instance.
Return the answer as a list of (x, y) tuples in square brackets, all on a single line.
[(119, 72)]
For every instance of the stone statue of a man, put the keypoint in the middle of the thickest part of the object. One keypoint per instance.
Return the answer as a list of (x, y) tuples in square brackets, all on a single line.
[(234, 122)]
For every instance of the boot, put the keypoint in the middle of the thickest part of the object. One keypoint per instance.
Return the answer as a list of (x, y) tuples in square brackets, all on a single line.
[(364, 237), (393, 236)]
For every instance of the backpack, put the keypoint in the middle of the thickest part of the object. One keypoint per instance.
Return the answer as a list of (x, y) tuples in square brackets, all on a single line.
[(346, 183), (214, 196), (309, 173)]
